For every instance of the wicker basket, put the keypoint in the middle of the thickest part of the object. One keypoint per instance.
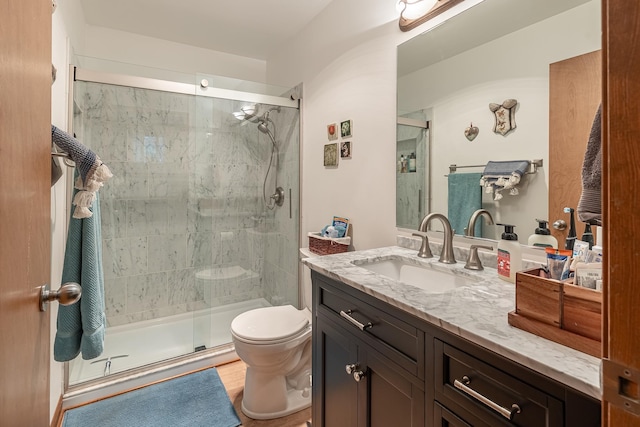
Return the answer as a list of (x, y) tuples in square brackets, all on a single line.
[(327, 246)]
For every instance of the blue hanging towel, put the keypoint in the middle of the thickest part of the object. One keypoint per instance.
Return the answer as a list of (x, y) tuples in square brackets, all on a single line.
[(81, 326), (465, 197)]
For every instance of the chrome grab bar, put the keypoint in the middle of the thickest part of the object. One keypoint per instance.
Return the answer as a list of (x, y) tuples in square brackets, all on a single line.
[(507, 413), (353, 321)]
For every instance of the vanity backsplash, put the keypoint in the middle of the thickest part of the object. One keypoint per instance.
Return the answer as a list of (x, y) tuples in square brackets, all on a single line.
[(531, 259)]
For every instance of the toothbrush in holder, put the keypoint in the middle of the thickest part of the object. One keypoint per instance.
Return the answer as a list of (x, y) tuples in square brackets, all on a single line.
[(571, 237)]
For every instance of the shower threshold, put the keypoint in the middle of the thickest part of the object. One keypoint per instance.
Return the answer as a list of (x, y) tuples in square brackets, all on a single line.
[(159, 344), (114, 384)]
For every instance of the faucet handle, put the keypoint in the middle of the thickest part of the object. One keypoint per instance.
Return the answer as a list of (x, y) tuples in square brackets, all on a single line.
[(425, 250), (473, 260)]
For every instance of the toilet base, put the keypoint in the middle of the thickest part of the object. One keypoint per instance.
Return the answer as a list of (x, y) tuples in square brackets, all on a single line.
[(297, 400)]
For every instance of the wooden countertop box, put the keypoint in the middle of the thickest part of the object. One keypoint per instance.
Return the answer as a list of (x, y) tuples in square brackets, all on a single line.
[(558, 311)]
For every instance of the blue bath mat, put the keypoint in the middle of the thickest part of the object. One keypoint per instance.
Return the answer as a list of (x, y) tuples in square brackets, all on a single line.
[(194, 400)]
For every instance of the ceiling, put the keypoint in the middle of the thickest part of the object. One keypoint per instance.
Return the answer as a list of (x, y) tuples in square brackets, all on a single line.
[(249, 28), (480, 24)]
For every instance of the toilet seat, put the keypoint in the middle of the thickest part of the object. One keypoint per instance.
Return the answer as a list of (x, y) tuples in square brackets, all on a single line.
[(270, 325)]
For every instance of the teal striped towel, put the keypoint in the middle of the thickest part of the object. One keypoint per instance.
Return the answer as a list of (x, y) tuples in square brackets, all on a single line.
[(81, 326)]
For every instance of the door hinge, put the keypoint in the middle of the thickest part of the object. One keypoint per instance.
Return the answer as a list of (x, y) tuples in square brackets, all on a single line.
[(621, 386)]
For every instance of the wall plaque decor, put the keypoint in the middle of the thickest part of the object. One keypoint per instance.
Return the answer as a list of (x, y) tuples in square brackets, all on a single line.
[(331, 154), (346, 129), (505, 115), (345, 150), (332, 131), (471, 132)]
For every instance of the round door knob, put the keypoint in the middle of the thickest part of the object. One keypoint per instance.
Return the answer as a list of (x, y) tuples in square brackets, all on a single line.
[(358, 375), (560, 224), (351, 368), (68, 294)]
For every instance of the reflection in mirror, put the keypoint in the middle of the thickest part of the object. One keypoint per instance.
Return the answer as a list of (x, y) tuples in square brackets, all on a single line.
[(412, 151), (495, 51)]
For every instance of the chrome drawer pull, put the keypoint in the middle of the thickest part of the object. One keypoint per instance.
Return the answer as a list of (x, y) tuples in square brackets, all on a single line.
[(353, 321), (507, 413)]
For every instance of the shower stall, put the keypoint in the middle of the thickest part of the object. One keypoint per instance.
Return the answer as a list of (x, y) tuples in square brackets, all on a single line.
[(201, 219)]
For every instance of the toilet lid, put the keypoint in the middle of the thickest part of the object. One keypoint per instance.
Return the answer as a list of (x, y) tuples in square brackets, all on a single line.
[(270, 323)]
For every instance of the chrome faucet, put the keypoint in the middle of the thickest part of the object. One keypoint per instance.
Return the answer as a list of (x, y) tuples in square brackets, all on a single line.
[(446, 256), (471, 228)]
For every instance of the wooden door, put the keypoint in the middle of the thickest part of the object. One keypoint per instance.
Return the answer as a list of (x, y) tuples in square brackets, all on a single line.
[(621, 210), (575, 91), (25, 215)]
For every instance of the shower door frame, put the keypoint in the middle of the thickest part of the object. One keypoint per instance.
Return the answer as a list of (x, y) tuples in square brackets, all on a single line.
[(89, 389)]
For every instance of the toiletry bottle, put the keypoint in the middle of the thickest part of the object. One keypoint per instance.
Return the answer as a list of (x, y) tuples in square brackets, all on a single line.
[(587, 236), (571, 237), (403, 164), (509, 254), (412, 162), (542, 237)]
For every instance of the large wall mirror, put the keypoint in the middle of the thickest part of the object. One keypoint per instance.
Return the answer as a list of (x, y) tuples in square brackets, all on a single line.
[(494, 51)]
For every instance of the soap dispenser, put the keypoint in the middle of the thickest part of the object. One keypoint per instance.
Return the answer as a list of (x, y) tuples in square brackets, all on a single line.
[(509, 254), (542, 237)]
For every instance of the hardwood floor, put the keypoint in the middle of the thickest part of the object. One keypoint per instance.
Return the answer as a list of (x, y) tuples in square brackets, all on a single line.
[(232, 376)]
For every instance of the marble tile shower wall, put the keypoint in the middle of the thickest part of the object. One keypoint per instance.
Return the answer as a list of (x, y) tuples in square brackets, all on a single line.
[(184, 226)]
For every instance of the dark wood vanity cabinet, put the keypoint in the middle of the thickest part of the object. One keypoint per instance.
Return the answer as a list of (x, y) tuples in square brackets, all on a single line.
[(369, 376), (376, 365)]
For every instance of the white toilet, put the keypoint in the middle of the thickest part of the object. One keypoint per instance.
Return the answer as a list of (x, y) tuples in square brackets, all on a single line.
[(275, 343)]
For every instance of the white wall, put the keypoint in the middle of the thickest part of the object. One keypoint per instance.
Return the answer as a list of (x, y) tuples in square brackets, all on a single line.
[(346, 60), (129, 48)]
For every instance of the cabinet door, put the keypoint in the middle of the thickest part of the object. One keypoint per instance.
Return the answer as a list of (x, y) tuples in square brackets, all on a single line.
[(393, 398), (335, 392)]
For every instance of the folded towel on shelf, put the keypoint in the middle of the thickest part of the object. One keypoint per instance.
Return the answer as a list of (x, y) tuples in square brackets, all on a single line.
[(81, 326), (590, 204), (464, 198), (503, 175), (92, 172)]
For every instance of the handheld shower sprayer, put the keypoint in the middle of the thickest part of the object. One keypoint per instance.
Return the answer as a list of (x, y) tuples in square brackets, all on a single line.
[(249, 113)]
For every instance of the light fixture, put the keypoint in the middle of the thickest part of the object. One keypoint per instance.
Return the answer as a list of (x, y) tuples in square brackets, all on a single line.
[(246, 112), (416, 12)]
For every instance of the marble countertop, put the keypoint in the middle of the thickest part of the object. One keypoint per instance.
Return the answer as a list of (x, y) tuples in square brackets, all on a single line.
[(477, 312)]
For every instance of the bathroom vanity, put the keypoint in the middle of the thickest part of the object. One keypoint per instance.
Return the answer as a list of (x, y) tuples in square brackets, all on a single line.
[(391, 354)]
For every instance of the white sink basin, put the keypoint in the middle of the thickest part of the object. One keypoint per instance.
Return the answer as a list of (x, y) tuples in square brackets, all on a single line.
[(426, 278)]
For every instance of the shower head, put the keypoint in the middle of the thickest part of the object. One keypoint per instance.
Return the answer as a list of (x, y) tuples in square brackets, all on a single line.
[(262, 127)]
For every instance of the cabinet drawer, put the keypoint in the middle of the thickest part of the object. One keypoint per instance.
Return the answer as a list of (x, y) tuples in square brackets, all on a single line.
[(466, 384), (443, 418), (397, 339)]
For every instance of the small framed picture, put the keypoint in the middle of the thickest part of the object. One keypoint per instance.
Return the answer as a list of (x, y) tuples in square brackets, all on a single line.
[(345, 150), (331, 154), (332, 131), (346, 129)]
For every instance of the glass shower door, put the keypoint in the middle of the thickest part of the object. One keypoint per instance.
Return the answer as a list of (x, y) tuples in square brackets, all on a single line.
[(188, 240), (237, 170)]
